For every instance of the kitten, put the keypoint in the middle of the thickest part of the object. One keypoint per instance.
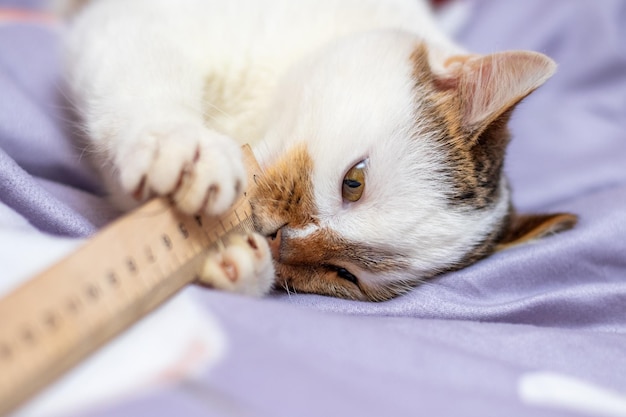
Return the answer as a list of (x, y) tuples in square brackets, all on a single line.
[(382, 141)]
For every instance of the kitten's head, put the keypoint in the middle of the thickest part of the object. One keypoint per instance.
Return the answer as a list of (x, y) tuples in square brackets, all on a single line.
[(383, 166)]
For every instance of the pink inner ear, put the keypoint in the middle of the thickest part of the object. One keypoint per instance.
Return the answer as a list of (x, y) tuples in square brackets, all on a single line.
[(489, 85)]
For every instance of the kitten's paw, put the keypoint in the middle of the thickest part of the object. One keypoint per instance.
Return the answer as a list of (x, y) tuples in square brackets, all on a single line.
[(243, 265), (200, 169)]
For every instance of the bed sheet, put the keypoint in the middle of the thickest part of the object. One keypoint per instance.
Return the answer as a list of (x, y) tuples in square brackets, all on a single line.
[(536, 330)]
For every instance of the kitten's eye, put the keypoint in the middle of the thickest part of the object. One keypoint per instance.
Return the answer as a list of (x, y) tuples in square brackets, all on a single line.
[(345, 274), (354, 183)]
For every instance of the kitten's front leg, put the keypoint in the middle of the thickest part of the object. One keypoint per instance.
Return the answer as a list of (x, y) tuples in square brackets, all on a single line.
[(139, 85), (243, 264), (200, 169)]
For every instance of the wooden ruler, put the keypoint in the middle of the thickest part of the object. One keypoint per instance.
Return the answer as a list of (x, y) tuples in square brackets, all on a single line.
[(55, 320)]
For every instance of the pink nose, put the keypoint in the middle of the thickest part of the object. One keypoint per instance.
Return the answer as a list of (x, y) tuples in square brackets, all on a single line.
[(274, 242)]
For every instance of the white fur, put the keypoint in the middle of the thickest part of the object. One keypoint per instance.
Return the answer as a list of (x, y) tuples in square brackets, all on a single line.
[(157, 80)]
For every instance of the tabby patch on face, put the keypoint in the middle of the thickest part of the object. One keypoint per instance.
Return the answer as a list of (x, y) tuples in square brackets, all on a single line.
[(474, 153), (308, 256), (284, 193)]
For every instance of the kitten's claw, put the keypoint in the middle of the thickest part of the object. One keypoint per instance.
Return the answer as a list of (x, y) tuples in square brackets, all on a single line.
[(200, 169), (243, 265)]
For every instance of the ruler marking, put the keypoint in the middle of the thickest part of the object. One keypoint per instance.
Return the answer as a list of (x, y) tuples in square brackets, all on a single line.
[(166, 241), (93, 292), (131, 265), (73, 305), (28, 336), (112, 279), (50, 320), (183, 230)]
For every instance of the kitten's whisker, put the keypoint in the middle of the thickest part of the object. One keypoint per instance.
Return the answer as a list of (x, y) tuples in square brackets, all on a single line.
[(286, 287)]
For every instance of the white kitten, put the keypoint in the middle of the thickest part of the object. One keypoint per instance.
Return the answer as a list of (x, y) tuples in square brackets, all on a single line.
[(381, 140)]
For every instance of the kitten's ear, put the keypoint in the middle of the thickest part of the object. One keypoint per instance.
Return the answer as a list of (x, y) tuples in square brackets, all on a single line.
[(527, 227), (489, 85)]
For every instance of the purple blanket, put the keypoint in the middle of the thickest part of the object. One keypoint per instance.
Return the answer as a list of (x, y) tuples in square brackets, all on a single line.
[(538, 330)]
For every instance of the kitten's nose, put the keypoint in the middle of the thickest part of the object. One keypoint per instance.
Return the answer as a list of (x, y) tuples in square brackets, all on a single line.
[(274, 241)]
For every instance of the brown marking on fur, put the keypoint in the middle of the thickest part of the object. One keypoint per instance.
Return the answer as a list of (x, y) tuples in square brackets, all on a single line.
[(316, 280), (476, 150), (283, 203), (284, 193), (475, 153), (474, 169), (326, 247), (324, 280), (526, 227)]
